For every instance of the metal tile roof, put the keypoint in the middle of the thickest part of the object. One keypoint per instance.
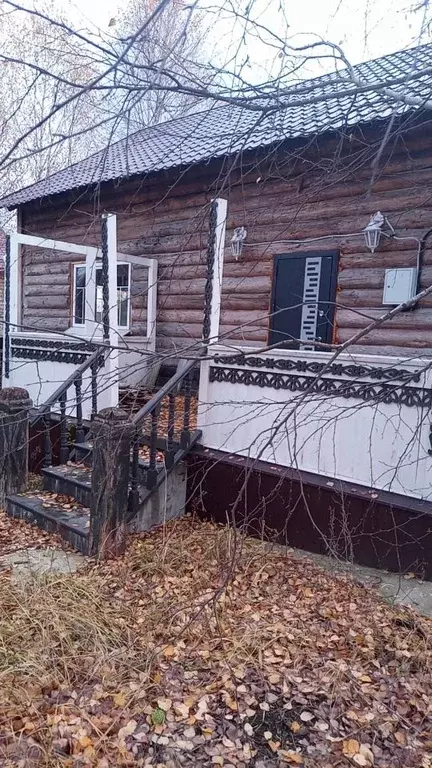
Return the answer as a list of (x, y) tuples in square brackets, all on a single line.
[(331, 103)]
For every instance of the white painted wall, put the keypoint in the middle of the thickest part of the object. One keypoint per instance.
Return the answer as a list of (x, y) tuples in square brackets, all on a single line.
[(136, 362), (42, 377), (374, 444)]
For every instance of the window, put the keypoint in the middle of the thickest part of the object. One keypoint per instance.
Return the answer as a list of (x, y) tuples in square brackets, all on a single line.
[(304, 294), (123, 295), (79, 295)]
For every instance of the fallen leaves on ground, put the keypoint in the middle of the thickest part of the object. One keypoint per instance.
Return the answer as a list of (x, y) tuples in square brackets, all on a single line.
[(134, 400), (18, 534), (199, 648), (51, 500), (144, 454)]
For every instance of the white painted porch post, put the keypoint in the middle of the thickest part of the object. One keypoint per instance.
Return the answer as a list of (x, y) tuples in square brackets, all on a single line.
[(218, 269), (15, 284), (12, 301), (111, 366), (204, 415), (152, 303)]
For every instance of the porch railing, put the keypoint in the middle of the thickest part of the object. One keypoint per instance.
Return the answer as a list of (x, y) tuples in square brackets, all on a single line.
[(172, 449), (60, 397)]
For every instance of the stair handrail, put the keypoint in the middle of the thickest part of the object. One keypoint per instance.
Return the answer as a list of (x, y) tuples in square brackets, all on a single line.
[(63, 388), (170, 451), (43, 412), (167, 388)]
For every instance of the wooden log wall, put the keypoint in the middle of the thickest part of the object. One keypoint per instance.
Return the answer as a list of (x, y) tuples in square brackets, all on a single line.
[(294, 194), (47, 288)]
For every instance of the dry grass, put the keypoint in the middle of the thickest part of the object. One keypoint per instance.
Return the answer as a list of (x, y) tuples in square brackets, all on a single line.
[(220, 632), (61, 628)]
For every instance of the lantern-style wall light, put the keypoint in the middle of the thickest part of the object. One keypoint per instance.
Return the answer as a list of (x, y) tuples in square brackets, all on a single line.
[(372, 232), (237, 241)]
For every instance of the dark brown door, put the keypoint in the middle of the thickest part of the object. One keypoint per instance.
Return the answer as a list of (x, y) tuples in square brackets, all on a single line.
[(304, 294)]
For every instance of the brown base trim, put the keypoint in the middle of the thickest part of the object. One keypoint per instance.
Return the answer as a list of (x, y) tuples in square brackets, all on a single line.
[(396, 500), (301, 509)]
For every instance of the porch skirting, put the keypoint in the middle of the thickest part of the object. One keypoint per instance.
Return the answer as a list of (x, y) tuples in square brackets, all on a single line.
[(300, 509)]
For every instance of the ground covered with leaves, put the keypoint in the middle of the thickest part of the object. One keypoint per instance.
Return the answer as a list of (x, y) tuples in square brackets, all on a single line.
[(18, 534), (199, 648)]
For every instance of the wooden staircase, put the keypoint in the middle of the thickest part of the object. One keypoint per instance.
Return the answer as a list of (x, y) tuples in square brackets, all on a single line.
[(163, 435)]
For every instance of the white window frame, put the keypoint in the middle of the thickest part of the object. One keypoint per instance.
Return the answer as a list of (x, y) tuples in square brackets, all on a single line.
[(78, 265)]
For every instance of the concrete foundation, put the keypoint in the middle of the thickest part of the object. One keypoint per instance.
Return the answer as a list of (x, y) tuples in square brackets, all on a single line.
[(166, 503)]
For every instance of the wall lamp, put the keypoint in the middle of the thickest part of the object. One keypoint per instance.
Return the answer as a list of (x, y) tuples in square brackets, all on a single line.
[(372, 233), (237, 241)]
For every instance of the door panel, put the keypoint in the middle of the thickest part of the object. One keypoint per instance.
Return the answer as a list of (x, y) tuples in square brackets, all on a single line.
[(304, 292)]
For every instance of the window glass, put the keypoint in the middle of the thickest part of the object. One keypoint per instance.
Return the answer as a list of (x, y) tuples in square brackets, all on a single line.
[(123, 294), (123, 297), (79, 312)]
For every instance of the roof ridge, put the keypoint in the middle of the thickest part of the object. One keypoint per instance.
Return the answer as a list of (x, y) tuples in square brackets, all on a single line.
[(399, 50)]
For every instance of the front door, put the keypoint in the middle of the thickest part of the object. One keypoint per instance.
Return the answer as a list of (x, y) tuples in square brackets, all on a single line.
[(303, 300)]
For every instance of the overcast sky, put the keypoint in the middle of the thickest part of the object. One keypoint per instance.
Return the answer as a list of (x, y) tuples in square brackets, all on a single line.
[(364, 28)]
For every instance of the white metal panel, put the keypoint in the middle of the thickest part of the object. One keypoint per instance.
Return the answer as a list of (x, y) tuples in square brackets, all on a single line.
[(399, 285), (374, 444)]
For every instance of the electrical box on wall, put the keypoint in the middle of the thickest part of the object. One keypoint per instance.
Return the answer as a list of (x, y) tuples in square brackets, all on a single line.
[(399, 285)]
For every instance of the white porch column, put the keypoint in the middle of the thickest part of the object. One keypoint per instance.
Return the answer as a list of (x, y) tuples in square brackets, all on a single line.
[(152, 302), (12, 300), (111, 220), (15, 284), (212, 300), (217, 276), (111, 372)]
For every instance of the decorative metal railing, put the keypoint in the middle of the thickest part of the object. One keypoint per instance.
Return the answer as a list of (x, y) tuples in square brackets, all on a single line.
[(170, 442), (43, 413)]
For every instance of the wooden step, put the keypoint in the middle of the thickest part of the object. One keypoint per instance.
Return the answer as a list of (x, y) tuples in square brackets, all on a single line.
[(71, 480), (84, 452), (71, 524), (75, 480)]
